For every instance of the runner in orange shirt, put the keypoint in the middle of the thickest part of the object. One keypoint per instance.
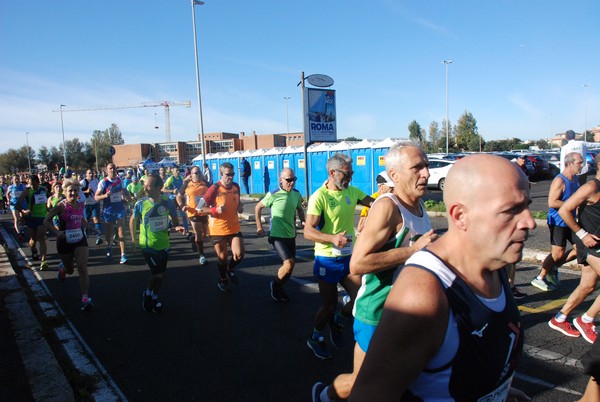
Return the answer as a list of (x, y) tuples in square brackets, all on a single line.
[(191, 199), (223, 203)]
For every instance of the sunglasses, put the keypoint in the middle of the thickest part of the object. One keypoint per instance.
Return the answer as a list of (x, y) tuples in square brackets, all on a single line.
[(291, 179), (345, 174), (229, 174)]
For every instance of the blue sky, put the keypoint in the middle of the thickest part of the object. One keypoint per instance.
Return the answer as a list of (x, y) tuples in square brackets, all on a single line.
[(519, 66)]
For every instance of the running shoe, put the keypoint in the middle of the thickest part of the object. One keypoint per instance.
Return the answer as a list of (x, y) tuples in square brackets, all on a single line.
[(98, 241), (336, 330), (319, 347), (191, 236), (553, 279), (109, 253), (316, 391), (62, 273), (543, 284), (86, 304), (224, 285), (517, 294), (563, 327), (277, 292), (202, 260), (123, 259), (146, 302), (44, 265), (587, 330), (157, 306), (233, 278)]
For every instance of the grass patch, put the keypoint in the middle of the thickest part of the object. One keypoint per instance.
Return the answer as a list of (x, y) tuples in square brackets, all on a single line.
[(539, 215), (435, 206)]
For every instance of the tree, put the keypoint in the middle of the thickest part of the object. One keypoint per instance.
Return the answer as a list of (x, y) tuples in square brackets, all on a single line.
[(589, 136), (542, 144), (434, 136), (467, 135), (15, 160), (352, 139), (103, 140), (446, 139), (415, 132), (75, 154)]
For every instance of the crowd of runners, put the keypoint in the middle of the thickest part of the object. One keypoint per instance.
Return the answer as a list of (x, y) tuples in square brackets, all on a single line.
[(462, 341)]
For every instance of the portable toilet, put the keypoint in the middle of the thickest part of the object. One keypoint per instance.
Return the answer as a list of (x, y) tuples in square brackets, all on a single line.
[(293, 157), (271, 168), (379, 151), (318, 154), (256, 181), (362, 164)]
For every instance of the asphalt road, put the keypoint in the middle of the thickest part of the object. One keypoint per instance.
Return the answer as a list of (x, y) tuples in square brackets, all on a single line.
[(242, 346)]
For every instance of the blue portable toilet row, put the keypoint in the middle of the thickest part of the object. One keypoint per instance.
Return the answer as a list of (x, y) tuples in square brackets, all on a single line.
[(368, 160)]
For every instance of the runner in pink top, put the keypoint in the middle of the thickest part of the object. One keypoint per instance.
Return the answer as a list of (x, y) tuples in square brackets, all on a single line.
[(71, 242)]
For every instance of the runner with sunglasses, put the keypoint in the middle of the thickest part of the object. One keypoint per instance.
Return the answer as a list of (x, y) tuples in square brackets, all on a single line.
[(223, 204), (284, 202)]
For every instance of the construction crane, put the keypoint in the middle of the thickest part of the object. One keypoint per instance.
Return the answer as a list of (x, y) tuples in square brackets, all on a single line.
[(165, 104)]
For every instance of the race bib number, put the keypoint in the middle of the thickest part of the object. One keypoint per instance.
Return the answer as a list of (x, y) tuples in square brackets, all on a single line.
[(342, 251), (158, 223), (73, 235), (499, 394), (17, 193), (199, 202), (90, 200), (115, 197), (40, 198)]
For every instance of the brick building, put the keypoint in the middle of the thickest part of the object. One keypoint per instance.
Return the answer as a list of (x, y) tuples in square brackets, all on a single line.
[(183, 153)]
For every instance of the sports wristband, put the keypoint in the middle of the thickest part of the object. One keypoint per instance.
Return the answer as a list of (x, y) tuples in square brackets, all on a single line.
[(213, 211), (581, 234)]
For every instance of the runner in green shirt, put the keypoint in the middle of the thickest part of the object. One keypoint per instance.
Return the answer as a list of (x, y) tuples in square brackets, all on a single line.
[(284, 202), (330, 224), (152, 214)]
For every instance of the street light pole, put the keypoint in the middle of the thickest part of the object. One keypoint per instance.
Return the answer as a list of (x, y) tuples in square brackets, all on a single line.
[(447, 62), (287, 114), (586, 86), (28, 151), (62, 126), (200, 122)]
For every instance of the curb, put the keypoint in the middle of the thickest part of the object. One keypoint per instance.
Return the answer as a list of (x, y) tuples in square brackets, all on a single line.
[(44, 375)]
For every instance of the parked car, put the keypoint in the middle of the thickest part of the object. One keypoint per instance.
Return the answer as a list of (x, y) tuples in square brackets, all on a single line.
[(590, 161), (553, 159), (438, 170), (513, 158)]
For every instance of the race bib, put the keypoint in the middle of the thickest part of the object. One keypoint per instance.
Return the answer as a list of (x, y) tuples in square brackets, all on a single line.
[(40, 198), (199, 202), (116, 197), (158, 223), (16, 194), (73, 235), (342, 251), (499, 394)]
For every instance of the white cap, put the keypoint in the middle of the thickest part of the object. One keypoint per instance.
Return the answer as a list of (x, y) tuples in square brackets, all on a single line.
[(384, 178)]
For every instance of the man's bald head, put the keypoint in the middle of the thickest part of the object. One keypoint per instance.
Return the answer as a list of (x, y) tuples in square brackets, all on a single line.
[(286, 172), (480, 176)]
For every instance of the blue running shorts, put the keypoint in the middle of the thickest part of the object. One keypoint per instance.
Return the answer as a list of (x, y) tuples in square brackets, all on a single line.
[(363, 333), (331, 269)]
